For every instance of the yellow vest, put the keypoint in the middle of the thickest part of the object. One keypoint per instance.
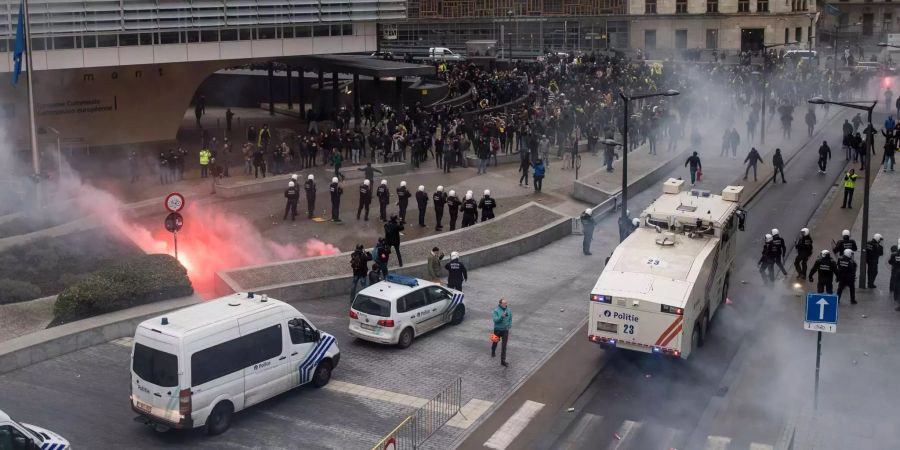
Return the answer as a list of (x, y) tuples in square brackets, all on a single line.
[(204, 157), (850, 181)]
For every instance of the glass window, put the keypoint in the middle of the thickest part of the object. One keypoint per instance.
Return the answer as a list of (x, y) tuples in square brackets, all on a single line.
[(302, 32), (287, 32), (437, 294), (61, 43), (209, 36), (347, 30), (234, 355), (169, 37), (649, 39), (13, 439), (301, 332), (712, 6), (263, 345), (798, 34), (128, 39), (107, 40), (373, 306), (762, 6), (681, 6), (744, 6), (245, 34), (649, 6), (147, 38), (191, 36), (38, 44), (155, 366), (414, 300), (320, 31), (681, 39), (228, 35), (266, 33)]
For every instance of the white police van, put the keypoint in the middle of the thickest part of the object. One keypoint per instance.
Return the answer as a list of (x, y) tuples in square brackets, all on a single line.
[(196, 366), (23, 436), (398, 309)]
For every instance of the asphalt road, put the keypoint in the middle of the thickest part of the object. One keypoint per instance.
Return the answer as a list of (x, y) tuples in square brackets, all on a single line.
[(640, 401)]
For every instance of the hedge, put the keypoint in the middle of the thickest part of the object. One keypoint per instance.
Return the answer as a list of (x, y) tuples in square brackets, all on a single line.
[(12, 291), (129, 282)]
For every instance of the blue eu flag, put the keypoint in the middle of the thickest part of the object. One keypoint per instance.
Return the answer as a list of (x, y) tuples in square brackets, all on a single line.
[(20, 44)]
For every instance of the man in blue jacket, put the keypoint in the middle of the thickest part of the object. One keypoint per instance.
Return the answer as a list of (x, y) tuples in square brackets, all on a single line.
[(502, 323)]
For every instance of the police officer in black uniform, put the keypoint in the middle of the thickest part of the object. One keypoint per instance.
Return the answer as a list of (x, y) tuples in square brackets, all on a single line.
[(384, 197), (336, 192), (770, 253), (365, 198), (292, 194), (845, 243), (804, 247), (456, 272), (894, 262), (778, 241), (392, 231), (846, 275), (422, 201), (487, 205), (310, 187), (827, 269), (403, 196), (470, 210), (874, 251), (439, 198), (453, 204)]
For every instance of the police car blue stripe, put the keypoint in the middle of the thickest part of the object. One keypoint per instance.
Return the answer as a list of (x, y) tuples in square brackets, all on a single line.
[(45, 445), (52, 447), (314, 357), (317, 357)]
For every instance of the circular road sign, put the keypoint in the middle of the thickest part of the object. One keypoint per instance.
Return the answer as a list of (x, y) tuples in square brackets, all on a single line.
[(390, 444), (174, 202), (174, 222)]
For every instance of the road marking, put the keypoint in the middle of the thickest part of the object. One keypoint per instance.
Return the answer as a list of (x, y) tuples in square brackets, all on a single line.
[(717, 443), (469, 413), (514, 425), (628, 428), (126, 342), (755, 446), (585, 423)]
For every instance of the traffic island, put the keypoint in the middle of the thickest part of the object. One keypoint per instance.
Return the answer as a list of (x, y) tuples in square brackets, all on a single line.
[(517, 232)]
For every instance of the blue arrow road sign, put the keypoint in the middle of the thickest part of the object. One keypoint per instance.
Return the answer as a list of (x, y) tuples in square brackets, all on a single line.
[(821, 308)]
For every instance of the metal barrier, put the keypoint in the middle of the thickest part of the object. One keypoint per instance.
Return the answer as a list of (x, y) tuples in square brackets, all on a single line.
[(425, 421)]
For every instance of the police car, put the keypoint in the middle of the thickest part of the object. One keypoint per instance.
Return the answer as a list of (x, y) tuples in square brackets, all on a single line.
[(400, 308), (15, 435)]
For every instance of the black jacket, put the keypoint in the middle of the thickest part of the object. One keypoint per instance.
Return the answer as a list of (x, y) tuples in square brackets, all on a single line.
[(439, 198), (365, 194), (421, 199), (292, 193), (844, 244), (469, 207), (825, 151), (453, 204), (384, 194), (310, 187), (826, 268), (456, 272), (804, 246), (487, 205), (358, 260), (392, 231), (846, 269), (403, 195), (874, 250), (778, 241), (336, 192)]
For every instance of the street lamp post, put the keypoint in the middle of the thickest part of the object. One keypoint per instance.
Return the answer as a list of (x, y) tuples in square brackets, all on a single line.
[(870, 149), (626, 99)]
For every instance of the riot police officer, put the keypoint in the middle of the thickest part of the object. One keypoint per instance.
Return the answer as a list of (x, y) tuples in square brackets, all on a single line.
[(403, 196), (845, 243), (894, 262), (456, 272), (874, 251), (846, 275), (453, 204), (336, 192), (422, 202), (778, 242), (439, 199), (804, 247), (384, 198), (292, 194), (487, 205), (365, 198), (310, 187), (826, 268), (770, 253), (470, 210)]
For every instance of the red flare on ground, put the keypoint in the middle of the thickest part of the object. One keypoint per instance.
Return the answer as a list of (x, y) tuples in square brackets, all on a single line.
[(211, 240)]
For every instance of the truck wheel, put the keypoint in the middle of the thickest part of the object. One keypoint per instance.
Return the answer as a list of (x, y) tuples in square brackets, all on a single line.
[(323, 374), (219, 419), (458, 315), (406, 338)]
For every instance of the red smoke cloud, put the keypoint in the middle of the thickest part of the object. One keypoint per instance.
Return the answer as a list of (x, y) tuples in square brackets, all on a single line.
[(211, 240)]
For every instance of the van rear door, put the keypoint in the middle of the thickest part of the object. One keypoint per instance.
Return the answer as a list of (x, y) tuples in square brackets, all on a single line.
[(155, 369)]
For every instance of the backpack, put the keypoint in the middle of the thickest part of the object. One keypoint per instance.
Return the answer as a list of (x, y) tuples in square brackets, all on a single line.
[(356, 261)]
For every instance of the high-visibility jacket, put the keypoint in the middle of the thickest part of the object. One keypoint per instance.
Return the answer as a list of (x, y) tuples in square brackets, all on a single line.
[(204, 157), (850, 180)]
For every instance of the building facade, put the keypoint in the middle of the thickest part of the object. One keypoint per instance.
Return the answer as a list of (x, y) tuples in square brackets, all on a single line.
[(860, 21), (526, 28)]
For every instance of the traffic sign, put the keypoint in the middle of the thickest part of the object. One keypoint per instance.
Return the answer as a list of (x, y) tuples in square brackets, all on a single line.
[(821, 312), (174, 222), (174, 202)]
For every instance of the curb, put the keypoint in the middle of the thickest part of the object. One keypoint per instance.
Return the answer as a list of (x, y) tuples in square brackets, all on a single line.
[(53, 342)]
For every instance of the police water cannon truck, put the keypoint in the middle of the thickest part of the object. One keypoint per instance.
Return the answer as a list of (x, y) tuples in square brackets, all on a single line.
[(664, 283)]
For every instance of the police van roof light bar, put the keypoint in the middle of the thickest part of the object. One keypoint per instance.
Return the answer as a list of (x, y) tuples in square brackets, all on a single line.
[(401, 279)]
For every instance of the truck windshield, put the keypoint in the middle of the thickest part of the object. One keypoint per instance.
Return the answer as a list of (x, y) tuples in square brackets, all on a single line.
[(155, 366), (373, 306)]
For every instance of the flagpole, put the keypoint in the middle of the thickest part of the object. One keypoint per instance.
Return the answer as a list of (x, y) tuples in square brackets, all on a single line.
[(35, 157)]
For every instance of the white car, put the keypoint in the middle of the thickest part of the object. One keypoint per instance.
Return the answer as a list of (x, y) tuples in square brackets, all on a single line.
[(16, 436), (400, 308)]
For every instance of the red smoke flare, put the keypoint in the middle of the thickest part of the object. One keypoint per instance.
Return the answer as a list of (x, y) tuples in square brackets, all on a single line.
[(211, 240)]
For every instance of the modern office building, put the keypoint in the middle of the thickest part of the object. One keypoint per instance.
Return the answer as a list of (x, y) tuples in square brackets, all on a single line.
[(106, 69), (526, 27)]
